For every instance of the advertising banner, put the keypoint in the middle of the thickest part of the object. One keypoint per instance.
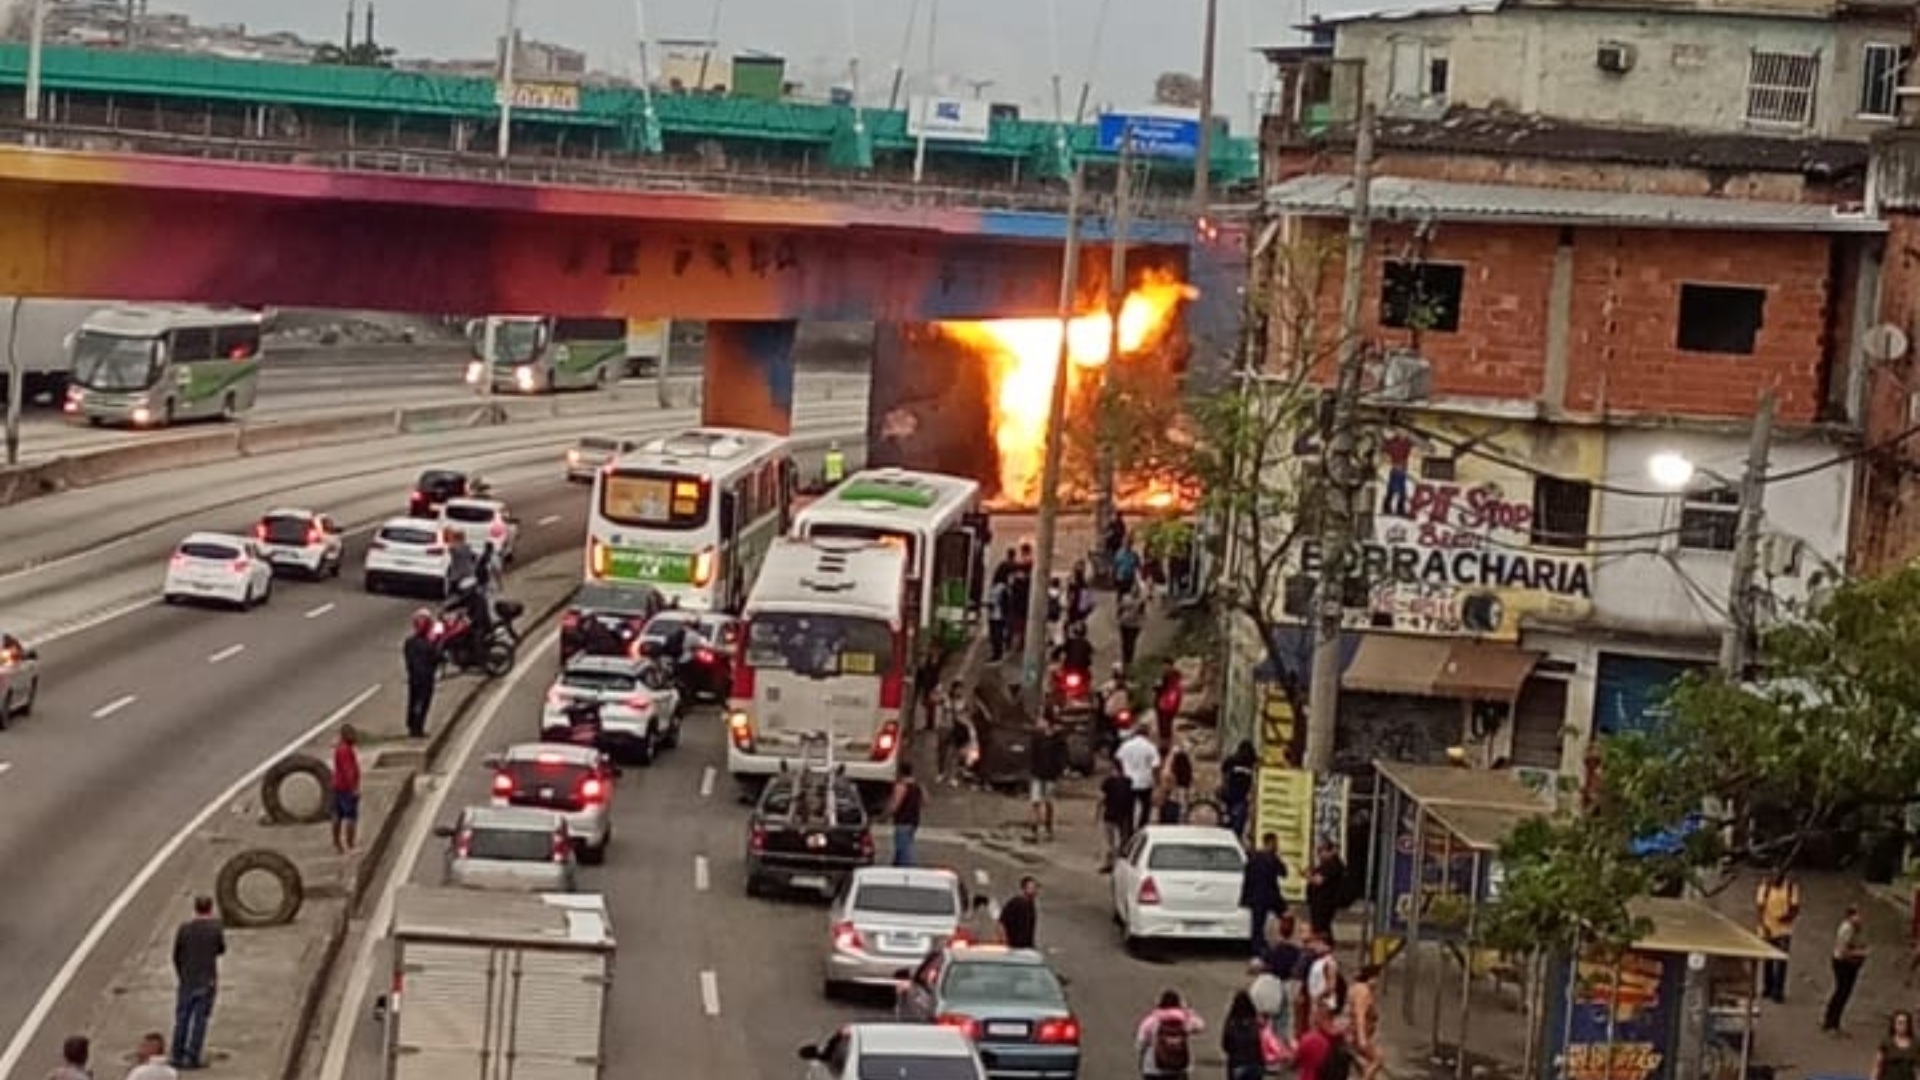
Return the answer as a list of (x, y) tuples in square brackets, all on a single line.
[(541, 97), (1617, 1026), (1283, 805), (950, 120)]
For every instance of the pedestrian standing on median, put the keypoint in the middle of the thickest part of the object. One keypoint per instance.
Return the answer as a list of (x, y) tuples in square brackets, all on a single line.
[(74, 1055), (1130, 613), (1141, 761), (152, 1060), (198, 945), (1776, 905), (1116, 814), (1260, 889), (1849, 956), (904, 808), (346, 790), (421, 658), (1049, 752), (1020, 916)]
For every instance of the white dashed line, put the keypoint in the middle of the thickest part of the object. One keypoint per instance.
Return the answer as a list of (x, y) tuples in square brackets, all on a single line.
[(710, 993), (4, 766), (321, 610), (550, 519), (706, 782), (114, 706), (702, 878), (226, 654)]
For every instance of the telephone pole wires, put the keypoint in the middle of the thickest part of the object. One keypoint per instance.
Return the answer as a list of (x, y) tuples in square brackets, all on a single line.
[(1122, 222)]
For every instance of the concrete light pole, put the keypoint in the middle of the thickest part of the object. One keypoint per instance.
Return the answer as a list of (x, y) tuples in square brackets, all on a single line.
[(509, 57), (1203, 150), (36, 56)]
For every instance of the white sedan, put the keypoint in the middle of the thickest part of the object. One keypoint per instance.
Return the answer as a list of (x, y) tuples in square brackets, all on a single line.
[(1180, 881), (483, 522), (218, 567)]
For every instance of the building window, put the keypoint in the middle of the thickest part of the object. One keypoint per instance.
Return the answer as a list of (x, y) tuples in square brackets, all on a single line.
[(1780, 87), (1421, 295), (1881, 70), (1720, 318), (1437, 74), (1710, 519), (1562, 511), (1439, 470)]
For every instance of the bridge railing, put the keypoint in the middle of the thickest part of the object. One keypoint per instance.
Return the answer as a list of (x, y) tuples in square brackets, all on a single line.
[(629, 174)]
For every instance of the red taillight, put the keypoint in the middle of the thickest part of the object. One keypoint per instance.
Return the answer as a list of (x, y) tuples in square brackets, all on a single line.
[(498, 530), (562, 847), (847, 936), (592, 790), (240, 566), (570, 621), (314, 536), (180, 560), (740, 730), (1149, 892), (463, 844), (1123, 718), (866, 845), (742, 676), (1059, 1032), (502, 786), (886, 741), (757, 839), (893, 690), (1074, 682), (704, 656), (966, 1025), (260, 532)]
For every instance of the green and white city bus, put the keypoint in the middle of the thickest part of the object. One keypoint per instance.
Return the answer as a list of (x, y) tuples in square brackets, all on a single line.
[(541, 355), (149, 365), (936, 517), (691, 515)]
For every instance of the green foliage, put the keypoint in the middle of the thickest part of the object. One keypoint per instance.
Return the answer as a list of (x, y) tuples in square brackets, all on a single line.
[(1827, 736)]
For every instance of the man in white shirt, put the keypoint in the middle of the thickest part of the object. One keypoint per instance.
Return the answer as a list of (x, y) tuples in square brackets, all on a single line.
[(153, 1060), (1323, 978), (1140, 760)]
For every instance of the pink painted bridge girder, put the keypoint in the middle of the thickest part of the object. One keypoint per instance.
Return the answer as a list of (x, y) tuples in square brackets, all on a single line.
[(136, 227)]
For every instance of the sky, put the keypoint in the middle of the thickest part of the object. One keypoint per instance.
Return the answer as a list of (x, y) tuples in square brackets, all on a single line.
[(1006, 41)]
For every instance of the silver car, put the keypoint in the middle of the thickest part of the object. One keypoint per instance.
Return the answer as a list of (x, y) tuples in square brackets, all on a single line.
[(888, 918), (19, 677), (592, 452), (510, 849), (576, 782)]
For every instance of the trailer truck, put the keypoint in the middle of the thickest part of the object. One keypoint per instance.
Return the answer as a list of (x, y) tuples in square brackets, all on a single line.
[(37, 335)]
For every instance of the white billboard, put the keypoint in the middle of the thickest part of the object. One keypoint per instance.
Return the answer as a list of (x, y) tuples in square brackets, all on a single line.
[(950, 119)]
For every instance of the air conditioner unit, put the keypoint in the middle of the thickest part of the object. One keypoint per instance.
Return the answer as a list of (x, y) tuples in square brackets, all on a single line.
[(1614, 57), (1405, 375)]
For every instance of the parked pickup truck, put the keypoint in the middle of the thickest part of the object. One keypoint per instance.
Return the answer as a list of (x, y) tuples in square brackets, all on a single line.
[(493, 977), (809, 831)]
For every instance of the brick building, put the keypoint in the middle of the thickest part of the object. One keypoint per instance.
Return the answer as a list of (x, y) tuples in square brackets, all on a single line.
[(1551, 305)]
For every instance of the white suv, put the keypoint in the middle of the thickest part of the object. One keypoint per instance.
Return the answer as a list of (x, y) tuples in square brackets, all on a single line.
[(410, 551), (482, 522), (301, 540)]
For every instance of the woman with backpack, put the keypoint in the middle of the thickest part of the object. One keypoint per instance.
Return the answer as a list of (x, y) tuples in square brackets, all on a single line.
[(1165, 1039), (1248, 1043)]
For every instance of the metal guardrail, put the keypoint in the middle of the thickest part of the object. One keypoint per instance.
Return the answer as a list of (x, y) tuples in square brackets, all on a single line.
[(632, 174)]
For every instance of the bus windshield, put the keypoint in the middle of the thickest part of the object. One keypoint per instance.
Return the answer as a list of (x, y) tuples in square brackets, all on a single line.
[(820, 646), (655, 500), (114, 362), (514, 341)]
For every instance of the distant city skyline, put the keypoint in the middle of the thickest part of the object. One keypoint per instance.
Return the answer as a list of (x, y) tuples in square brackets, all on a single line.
[(1001, 49)]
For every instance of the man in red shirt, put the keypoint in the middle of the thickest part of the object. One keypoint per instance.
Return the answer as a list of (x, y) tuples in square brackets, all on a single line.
[(346, 790)]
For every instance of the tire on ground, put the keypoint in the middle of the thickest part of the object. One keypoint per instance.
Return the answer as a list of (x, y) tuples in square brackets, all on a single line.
[(284, 769), (234, 910)]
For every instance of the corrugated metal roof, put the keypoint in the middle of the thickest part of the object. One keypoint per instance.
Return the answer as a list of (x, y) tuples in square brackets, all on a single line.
[(1401, 198), (1421, 11)]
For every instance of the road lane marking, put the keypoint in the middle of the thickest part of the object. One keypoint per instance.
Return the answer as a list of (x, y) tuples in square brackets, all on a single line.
[(113, 706), (321, 610), (706, 782), (550, 519), (701, 878), (57, 987), (5, 766), (710, 993), (226, 654), (353, 1003)]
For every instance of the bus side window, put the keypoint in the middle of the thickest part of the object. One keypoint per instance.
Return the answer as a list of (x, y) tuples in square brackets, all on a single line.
[(192, 345), (238, 342), (729, 513)]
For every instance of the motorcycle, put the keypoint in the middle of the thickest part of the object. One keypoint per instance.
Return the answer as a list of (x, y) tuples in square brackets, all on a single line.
[(462, 651), (1073, 705)]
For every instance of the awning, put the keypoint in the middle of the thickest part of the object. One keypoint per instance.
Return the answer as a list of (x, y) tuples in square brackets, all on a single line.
[(1438, 667), (1386, 664), (1690, 926)]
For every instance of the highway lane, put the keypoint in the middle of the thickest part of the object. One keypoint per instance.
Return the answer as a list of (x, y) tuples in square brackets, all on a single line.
[(146, 718), (710, 983)]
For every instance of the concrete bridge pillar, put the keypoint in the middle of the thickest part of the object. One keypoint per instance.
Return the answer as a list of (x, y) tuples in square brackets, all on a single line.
[(749, 375)]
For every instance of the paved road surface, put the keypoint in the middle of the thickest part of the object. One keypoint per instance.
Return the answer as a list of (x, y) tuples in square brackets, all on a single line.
[(146, 717)]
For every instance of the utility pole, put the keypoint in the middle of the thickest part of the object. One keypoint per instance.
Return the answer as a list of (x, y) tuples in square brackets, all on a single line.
[(16, 383), (1033, 656), (509, 56), (1341, 480), (1203, 149), (1746, 545), (1116, 301), (36, 55)]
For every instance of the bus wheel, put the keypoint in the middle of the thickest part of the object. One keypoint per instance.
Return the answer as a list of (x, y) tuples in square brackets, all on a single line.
[(166, 414), (228, 410), (601, 378)]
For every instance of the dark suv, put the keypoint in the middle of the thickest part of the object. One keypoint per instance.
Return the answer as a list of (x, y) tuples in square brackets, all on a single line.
[(606, 620), (434, 488)]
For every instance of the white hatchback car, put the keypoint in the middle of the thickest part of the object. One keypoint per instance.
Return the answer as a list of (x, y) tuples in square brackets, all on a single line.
[(410, 551), (215, 566), (627, 705), (483, 522), (302, 541), (910, 1051), (1180, 881)]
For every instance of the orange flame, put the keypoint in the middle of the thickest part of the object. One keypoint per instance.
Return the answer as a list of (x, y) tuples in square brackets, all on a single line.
[(1025, 352)]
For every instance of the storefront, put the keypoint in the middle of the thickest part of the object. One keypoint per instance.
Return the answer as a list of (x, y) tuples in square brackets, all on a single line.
[(1412, 698)]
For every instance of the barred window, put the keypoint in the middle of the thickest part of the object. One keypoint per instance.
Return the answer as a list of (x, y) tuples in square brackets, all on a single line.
[(1780, 88)]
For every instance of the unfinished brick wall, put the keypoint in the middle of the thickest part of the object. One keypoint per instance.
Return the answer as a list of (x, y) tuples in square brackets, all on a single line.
[(1886, 516), (1622, 355), (1283, 162)]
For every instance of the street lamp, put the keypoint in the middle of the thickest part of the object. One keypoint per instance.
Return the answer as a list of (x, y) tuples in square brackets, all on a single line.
[(1671, 470)]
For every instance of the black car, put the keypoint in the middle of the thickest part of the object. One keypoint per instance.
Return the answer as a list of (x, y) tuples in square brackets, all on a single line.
[(705, 663), (606, 620), (809, 832), (435, 487)]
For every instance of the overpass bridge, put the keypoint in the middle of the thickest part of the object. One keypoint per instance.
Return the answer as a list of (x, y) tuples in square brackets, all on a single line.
[(324, 225)]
